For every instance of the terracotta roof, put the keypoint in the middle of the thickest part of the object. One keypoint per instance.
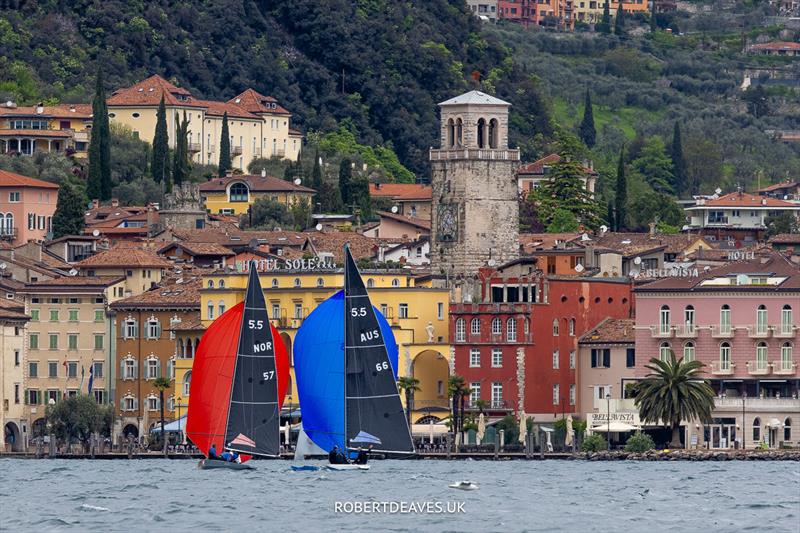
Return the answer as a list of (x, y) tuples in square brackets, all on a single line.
[(190, 324), (10, 179), (218, 109), (401, 191), (255, 183), (295, 133), (537, 167), (545, 241), (629, 244), (777, 186), (12, 310), (148, 93), (108, 212), (785, 238), (124, 257), (611, 330), (777, 45), (184, 295), (255, 102), (333, 242), (197, 248), (411, 221), (75, 282), (238, 238), (81, 111), (55, 134), (743, 199)]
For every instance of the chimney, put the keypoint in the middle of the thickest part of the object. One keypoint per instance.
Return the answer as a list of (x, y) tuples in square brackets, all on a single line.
[(763, 201), (39, 108), (652, 230), (115, 202), (263, 172), (95, 203)]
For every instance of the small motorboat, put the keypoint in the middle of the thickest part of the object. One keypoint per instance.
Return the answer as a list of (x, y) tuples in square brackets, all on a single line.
[(464, 485), (349, 466), (305, 468), (208, 464)]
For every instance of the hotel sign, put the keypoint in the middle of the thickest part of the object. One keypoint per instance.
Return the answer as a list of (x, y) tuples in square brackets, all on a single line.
[(313, 264), (598, 419), (669, 273)]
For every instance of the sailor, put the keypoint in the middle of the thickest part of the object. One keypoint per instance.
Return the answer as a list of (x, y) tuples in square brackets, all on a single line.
[(334, 457), (235, 457), (226, 456), (363, 455), (212, 452)]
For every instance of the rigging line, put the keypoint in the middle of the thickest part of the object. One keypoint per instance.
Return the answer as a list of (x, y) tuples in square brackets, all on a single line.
[(363, 346), (367, 397), (255, 403)]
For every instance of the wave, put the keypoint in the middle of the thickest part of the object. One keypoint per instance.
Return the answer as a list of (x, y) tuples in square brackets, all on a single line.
[(88, 507)]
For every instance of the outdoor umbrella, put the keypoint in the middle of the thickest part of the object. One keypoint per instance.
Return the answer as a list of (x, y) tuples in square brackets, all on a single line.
[(523, 427), (430, 424), (481, 428), (568, 437)]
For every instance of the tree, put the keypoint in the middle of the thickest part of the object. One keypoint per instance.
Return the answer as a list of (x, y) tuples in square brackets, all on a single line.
[(131, 155), (654, 164), (679, 177), (141, 191), (674, 391), (99, 179), (621, 195), (76, 418), (781, 223), (654, 207), (159, 157), (225, 148), (345, 178), (563, 221), (70, 208), (605, 22), (316, 173), (619, 21), (610, 218), (703, 163), (181, 165), (588, 132), (757, 101), (565, 190), (457, 389), (268, 214), (409, 385), (162, 384), (301, 213), (653, 21)]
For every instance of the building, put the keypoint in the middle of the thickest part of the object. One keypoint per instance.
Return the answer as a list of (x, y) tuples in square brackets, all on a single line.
[(61, 128), (532, 175), (258, 125), (789, 242), (591, 11), (13, 420), (740, 320), (519, 11), (233, 195), (145, 329), (777, 48), (202, 254), (70, 338), (393, 226), (413, 200), (737, 217), (788, 190), (484, 9), (72, 248), (141, 269), (26, 207), (475, 218)]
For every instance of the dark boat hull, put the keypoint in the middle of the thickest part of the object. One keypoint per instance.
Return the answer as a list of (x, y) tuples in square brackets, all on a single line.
[(209, 464)]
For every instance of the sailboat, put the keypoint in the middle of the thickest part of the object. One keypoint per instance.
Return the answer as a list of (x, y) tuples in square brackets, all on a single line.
[(345, 361), (238, 383)]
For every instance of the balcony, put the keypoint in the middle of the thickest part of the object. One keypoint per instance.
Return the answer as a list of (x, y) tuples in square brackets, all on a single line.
[(686, 331), (194, 147), (784, 331), (661, 332), (757, 368), (473, 153), (8, 234), (758, 331), (279, 152), (720, 368), (440, 404), (784, 368), (210, 148), (236, 150), (723, 332), (755, 404), (256, 152)]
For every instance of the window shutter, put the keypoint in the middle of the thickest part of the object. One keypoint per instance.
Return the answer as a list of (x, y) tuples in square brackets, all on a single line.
[(158, 330), (607, 358), (58, 396), (135, 329), (122, 369), (594, 358), (169, 369), (135, 369), (27, 395), (135, 404), (158, 370), (122, 404)]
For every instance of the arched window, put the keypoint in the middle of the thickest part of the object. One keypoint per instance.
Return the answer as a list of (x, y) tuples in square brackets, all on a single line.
[(370, 283), (10, 223), (511, 330), (153, 331), (786, 320), (494, 133), (187, 382), (459, 133), (274, 283), (571, 327), (221, 284), (181, 349), (497, 326), (210, 310), (786, 363), (395, 282), (238, 192), (526, 326), (153, 368), (451, 133), (221, 308), (761, 356), (475, 326), (663, 351), (555, 327), (787, 429), (461, 333), (664, 320), (211, 284), (725, 356), (189, 348), (297, 283), (688, 352), (481, 133), (130, 329), (756, 429), (761, 320), (725, 319), (688, 318), (320, 282)]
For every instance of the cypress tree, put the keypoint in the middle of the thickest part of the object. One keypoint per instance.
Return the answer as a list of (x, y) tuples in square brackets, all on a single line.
[(181, 166), (225, 148), (621, 193), (610, 215), (70, 208), (619, 21), (653, 21), (605, 24), (680, 179), (99, 178), (159, 160), (588, 132), (316, 173), (345, 177)]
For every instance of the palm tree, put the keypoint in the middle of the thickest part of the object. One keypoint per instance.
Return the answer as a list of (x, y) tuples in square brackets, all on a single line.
[(162, 384), (674, 391), (457, 389), (481, 405), (408, 384)]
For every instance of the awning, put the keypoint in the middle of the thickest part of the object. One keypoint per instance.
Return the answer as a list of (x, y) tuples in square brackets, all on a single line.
[(424, 430), (177, 425), (614, 427), (774, 423)]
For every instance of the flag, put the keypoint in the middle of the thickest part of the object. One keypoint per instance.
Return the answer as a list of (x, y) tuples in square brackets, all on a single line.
[(83, 370), (91, 378)]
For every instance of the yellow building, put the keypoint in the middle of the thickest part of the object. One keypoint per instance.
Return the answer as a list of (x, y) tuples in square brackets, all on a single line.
[(60, 128), (591, 11), (258, 126), (233, 195), (13, 321), (418, 316)]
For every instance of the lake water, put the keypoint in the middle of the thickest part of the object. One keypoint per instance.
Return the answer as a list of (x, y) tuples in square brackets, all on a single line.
[(571, 496)]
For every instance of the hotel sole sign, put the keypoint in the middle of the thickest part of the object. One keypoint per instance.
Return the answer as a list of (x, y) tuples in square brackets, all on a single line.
[(314, 264)]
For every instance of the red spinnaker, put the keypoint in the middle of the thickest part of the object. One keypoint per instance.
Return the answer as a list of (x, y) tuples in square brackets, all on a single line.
[(212, 377)]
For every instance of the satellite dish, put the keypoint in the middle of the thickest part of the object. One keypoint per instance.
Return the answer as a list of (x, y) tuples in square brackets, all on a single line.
[(603, 228), (579, 268), (394, 209), (706, 268), (491, 262), (318, 227), (717, 190), (637, 260), (3, 266), (96, 233), (73, 272), (298, 181), (585, 237)]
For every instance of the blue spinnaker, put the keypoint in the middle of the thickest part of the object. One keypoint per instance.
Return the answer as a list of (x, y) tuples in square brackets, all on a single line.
[(319, 370)]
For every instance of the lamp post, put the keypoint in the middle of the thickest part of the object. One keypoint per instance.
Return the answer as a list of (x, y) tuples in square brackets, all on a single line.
[(608, 414), (289, 421), (744, 425), (178, 413), (51, 441)]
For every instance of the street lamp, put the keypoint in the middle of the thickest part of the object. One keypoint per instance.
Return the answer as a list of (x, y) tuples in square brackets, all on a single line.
[(744, 425), (178, 409), (608, 414)]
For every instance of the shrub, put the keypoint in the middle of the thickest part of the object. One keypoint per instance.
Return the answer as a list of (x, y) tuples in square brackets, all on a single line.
[(594, 443), (639, 442)]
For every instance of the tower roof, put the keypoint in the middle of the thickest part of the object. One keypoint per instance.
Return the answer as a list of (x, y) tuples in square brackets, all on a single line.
[(475, 97)]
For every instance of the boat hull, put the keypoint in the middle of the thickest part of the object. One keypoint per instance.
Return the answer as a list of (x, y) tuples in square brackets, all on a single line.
[(347, 467), (210, 464)]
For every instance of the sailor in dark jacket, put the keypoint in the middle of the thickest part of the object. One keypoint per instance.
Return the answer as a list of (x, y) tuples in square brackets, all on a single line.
[(212, 452)]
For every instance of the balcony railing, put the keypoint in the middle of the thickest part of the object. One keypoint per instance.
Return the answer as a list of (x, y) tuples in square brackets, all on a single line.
[(236, 150), (686, 331), (8, 234), (256, 152), (661, 331), (474, 153), (722, 332), (784, 368), (194, 147), (722, 368), (784, 331), (755, 404), (758, 331), (757, 368), (210, 148)]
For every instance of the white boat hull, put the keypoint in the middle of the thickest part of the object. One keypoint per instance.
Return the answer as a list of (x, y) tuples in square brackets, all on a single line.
[(347, 467), (209, 464), (464, 485)]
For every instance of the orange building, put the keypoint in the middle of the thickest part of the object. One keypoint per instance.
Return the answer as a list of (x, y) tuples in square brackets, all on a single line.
[(26, 207)]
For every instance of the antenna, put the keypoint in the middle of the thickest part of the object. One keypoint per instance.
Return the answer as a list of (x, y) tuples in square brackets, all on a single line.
[(603, 228)]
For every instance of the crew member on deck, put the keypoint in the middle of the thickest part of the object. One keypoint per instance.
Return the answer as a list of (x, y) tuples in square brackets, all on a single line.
[(212, 452)]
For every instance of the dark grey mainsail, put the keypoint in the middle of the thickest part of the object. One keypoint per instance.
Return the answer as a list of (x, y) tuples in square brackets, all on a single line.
[(253, 416), (373, 411)]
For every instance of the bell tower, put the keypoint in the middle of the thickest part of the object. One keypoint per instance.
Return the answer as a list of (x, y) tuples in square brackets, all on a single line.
[(475, 217)]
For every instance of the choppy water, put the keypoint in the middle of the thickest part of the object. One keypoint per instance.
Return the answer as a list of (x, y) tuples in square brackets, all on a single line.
[(159, 495)]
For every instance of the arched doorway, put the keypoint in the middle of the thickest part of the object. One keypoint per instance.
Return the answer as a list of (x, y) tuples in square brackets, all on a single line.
[(287, 341), (432, 370), (13, 438), (130, 430), (39, 427)]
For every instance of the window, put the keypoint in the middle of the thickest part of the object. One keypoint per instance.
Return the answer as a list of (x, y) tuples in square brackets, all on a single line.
[(187, 383), (402, 310), (129, 403), (786, 363), (761, 356), (130, 329), (276, 310), (571, 327), (630, 358), (787, 429), (129, 368), (16, 357), (688, 352), (221, 284), (33, 341), (54, 315), (511, 330), (725, 319), (556, 394), (663, 351), (97, 369), (33, 397), (297, 283), (100, 396), (497, 395), (153, 328), (497, 358), (210, 310), (52, 369), (395, 282), (497, 326), (724, 356), (688, 318), (72, 369), (171, 368), (34, 315), (152, 403), (275, 283), (756, 429), (99, 342), (370, 283), (761, 320), (664, 327), (474, 358), (786, 320), (13, 196), (220, 308), (555, 359), (572, 394), (238, 192), (440, 311), (474, 392), (72, 342), (153, 368), (320, 282), (475, 326), (211, 284), (298, 310), (33, 369), (555, 327), (73, 315), (53, 341), (601, 358)]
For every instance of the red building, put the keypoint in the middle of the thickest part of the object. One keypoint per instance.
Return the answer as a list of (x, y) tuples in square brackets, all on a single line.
[(517, 347)]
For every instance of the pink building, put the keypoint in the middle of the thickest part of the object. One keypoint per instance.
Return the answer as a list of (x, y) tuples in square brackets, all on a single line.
[(26, 207), (740, 320)]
